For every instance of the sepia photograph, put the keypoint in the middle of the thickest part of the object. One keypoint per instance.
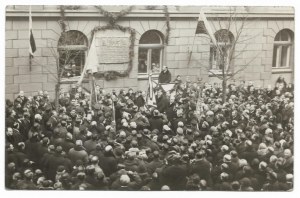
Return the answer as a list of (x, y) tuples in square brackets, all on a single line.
[(149, 98)]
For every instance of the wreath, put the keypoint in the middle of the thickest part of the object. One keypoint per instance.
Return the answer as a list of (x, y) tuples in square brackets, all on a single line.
[(168, 29), (113, 17), (112, 75)]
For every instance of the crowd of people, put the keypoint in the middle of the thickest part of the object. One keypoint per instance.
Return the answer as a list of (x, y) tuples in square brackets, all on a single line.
[(191, 140)]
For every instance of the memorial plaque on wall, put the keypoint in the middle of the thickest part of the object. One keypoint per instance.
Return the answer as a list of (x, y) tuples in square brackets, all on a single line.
[(112, 49)]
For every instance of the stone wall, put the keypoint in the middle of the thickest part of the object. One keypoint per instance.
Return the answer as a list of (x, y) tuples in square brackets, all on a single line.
[(255, 49)]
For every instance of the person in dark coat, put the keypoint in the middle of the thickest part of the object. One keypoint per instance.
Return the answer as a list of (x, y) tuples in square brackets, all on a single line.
[(161, 101), (68, 142), (140, 101), (202, 167), (174, 174), (164, 76), (57, 160), (108, 162), (171, 109), (32, 147), (155, 163), (156, 122), (78, 153)]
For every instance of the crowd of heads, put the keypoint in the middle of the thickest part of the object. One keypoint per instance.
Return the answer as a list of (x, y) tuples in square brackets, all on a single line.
[(190, 140)]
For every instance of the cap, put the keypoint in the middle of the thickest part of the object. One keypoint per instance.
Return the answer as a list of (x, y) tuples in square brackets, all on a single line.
[(227, 158), (166, 128)]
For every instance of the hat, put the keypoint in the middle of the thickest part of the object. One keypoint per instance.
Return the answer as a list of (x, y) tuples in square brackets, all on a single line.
[(156, 112), (248, 142), (224, 175), (243, 162), (224, 166), (268, 131), (228, 132), (209, 113), (108, 148), (27, 171), (133, 125), (78, 143), (125, 124), (208, 137), (180, 130), (227, 158), (58, 149), (214, 129), (69, 136), (165, 137), (180, 124), (165, 187), (89, 134), (51, 148), (263, 165), (224, 148), (122, 134), (166, 128), (289, 177)]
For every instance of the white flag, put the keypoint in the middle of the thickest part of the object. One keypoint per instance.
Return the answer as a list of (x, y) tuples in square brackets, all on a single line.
[(151, 100), (91, 63), (208, 28)]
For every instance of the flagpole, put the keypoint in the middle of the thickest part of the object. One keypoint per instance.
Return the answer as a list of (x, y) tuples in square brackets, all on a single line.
[(32, 46), (30, 50)]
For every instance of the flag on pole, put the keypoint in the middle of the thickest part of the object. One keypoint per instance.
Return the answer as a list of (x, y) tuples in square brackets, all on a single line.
[(151, 100), (203, 27), (32, 46), (91, 63)]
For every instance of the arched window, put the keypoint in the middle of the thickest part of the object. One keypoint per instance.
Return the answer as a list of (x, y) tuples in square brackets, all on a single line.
[(72, 46), (218, 58), (283, 52), (150, 52)]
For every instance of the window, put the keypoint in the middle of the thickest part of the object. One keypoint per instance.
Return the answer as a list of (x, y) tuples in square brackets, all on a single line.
[(283, 52), (72, 46), (218, 58), (150, 52)]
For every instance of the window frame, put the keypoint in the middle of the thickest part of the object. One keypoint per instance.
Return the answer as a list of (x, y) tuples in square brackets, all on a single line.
[(213, 52), (149, 48), (83, 48), (278, 44)]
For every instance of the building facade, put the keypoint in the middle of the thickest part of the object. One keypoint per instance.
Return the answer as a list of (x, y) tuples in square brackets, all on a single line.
[(263, 49)]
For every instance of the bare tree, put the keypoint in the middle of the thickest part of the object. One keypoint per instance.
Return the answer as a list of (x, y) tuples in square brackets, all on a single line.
[(226, 48)]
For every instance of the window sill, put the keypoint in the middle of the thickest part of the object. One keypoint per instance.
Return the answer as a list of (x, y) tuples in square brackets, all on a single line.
[(281, 70), (213, 72), (73, 80), (145, 76)]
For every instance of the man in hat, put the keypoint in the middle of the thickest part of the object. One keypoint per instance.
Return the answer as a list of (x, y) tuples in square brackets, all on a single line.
[(202, 167), (156, 121), (164, 76), (108, 162), (78, 152)]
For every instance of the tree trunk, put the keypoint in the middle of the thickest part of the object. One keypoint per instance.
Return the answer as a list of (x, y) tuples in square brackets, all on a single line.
[(57, 88), (224, 85)]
